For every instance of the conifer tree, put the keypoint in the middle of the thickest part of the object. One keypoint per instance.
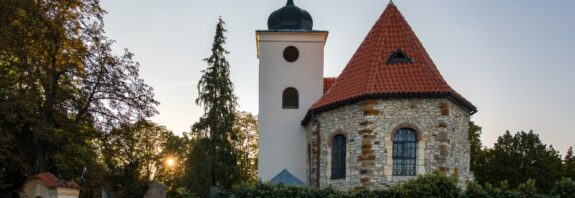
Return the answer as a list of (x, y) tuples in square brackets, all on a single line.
[(569, 164), (215, 127)]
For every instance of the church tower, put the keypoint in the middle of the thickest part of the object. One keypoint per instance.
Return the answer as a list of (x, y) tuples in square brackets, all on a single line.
[(291, 58)]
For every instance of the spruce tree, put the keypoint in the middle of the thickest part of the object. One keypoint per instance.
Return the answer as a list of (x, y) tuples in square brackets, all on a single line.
[(569, 164), (215, 127)]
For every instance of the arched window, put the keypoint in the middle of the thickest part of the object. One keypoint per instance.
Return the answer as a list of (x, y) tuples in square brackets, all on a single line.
[(404, 152), (290, 98), (338, 157)]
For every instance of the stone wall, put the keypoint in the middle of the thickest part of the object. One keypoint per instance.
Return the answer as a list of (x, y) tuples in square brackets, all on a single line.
[(442, 145)]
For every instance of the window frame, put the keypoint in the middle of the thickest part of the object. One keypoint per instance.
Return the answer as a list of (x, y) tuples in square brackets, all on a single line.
[(338, 157), (290, 98), (291, 54), (404, 152)]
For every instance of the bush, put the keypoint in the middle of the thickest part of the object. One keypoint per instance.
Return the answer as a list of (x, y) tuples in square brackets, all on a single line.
[(564, 188), (433, 185), (474, 190), (424, 186)]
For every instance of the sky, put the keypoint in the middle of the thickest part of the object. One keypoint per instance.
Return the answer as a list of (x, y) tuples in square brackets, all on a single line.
[(512, 59)]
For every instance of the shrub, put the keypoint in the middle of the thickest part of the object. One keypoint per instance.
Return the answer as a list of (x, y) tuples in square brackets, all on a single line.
[(564, 188), (433, 185), (474, 190)]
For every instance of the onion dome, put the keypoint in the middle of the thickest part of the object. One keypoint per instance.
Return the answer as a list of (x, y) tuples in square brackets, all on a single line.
[(290, 18)]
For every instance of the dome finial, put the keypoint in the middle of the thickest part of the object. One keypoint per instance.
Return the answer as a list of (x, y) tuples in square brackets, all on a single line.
[(290, 3)]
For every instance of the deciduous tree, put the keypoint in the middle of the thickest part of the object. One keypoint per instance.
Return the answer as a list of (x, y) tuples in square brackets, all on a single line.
[(476, 155), (61, 87), (246, 128), (520, 157), (133, 154)]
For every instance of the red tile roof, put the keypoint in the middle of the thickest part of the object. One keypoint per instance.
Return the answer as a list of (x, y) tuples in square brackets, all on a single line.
[(327, 83), (52, 181), (368, 75)]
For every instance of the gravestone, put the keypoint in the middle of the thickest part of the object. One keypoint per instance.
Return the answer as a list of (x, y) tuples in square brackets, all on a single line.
[(156, 190)]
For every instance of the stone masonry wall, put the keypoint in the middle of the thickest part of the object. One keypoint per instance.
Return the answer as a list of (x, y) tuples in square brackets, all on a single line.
[(442, 145)]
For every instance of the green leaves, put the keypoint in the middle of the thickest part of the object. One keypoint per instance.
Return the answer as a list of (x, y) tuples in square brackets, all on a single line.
[(61, 87), (564, 188), (433, 185), (519, 158)]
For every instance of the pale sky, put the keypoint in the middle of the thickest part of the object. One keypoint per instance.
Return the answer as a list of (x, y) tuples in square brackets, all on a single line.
[(512, 59)]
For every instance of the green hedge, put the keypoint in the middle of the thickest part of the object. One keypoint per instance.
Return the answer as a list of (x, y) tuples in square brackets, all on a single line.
[(433, 185)]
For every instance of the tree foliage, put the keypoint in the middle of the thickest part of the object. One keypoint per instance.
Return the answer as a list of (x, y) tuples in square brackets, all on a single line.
[(569, 164), (564, 188), (216, 93), (475, 151), (134, 154), (71, 106), (61, 87), (214, 131), (520, 157), (246, 145)]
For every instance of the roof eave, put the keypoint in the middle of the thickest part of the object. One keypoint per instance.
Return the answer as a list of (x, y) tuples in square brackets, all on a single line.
[(462, 102)]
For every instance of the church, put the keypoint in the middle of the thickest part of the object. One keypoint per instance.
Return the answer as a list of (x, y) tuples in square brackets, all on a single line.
[(388, 117)]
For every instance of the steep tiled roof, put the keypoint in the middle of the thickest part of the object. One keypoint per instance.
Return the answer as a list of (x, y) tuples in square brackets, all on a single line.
[(52, 181), (369, 74), (327, 83)]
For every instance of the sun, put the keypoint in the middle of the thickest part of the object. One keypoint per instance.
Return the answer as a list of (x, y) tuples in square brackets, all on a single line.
[(170, 162)]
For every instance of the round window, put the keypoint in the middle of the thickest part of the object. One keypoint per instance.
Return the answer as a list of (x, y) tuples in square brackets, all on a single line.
[(291, 54)]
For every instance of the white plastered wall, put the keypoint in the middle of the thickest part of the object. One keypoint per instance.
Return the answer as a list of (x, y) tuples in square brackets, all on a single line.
[(282, 139)]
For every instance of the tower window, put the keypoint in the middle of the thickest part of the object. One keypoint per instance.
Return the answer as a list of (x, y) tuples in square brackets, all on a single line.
[(398, 56), (404, 152), (338, 157), (291, 54), (290, 98)]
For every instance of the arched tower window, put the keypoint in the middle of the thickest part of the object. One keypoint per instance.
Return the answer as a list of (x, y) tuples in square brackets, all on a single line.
[(290, 98), (338, 157), (404, 152)]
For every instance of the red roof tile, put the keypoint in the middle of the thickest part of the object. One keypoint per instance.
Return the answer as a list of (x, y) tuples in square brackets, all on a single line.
[(369, 75), (327, 83), (52, 181)]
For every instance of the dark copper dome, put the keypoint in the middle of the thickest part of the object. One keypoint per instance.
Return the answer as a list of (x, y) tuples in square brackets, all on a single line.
[(290, 18)]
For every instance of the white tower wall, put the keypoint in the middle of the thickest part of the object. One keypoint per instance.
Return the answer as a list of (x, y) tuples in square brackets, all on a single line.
[(282, 139)]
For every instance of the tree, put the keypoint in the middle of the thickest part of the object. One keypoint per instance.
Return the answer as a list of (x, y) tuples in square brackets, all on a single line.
[(61, 87), (215, 128), (134, 154), (520, 157), (246, 128), (199, 168), (569, 164), (177, 148), (476, 155)]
